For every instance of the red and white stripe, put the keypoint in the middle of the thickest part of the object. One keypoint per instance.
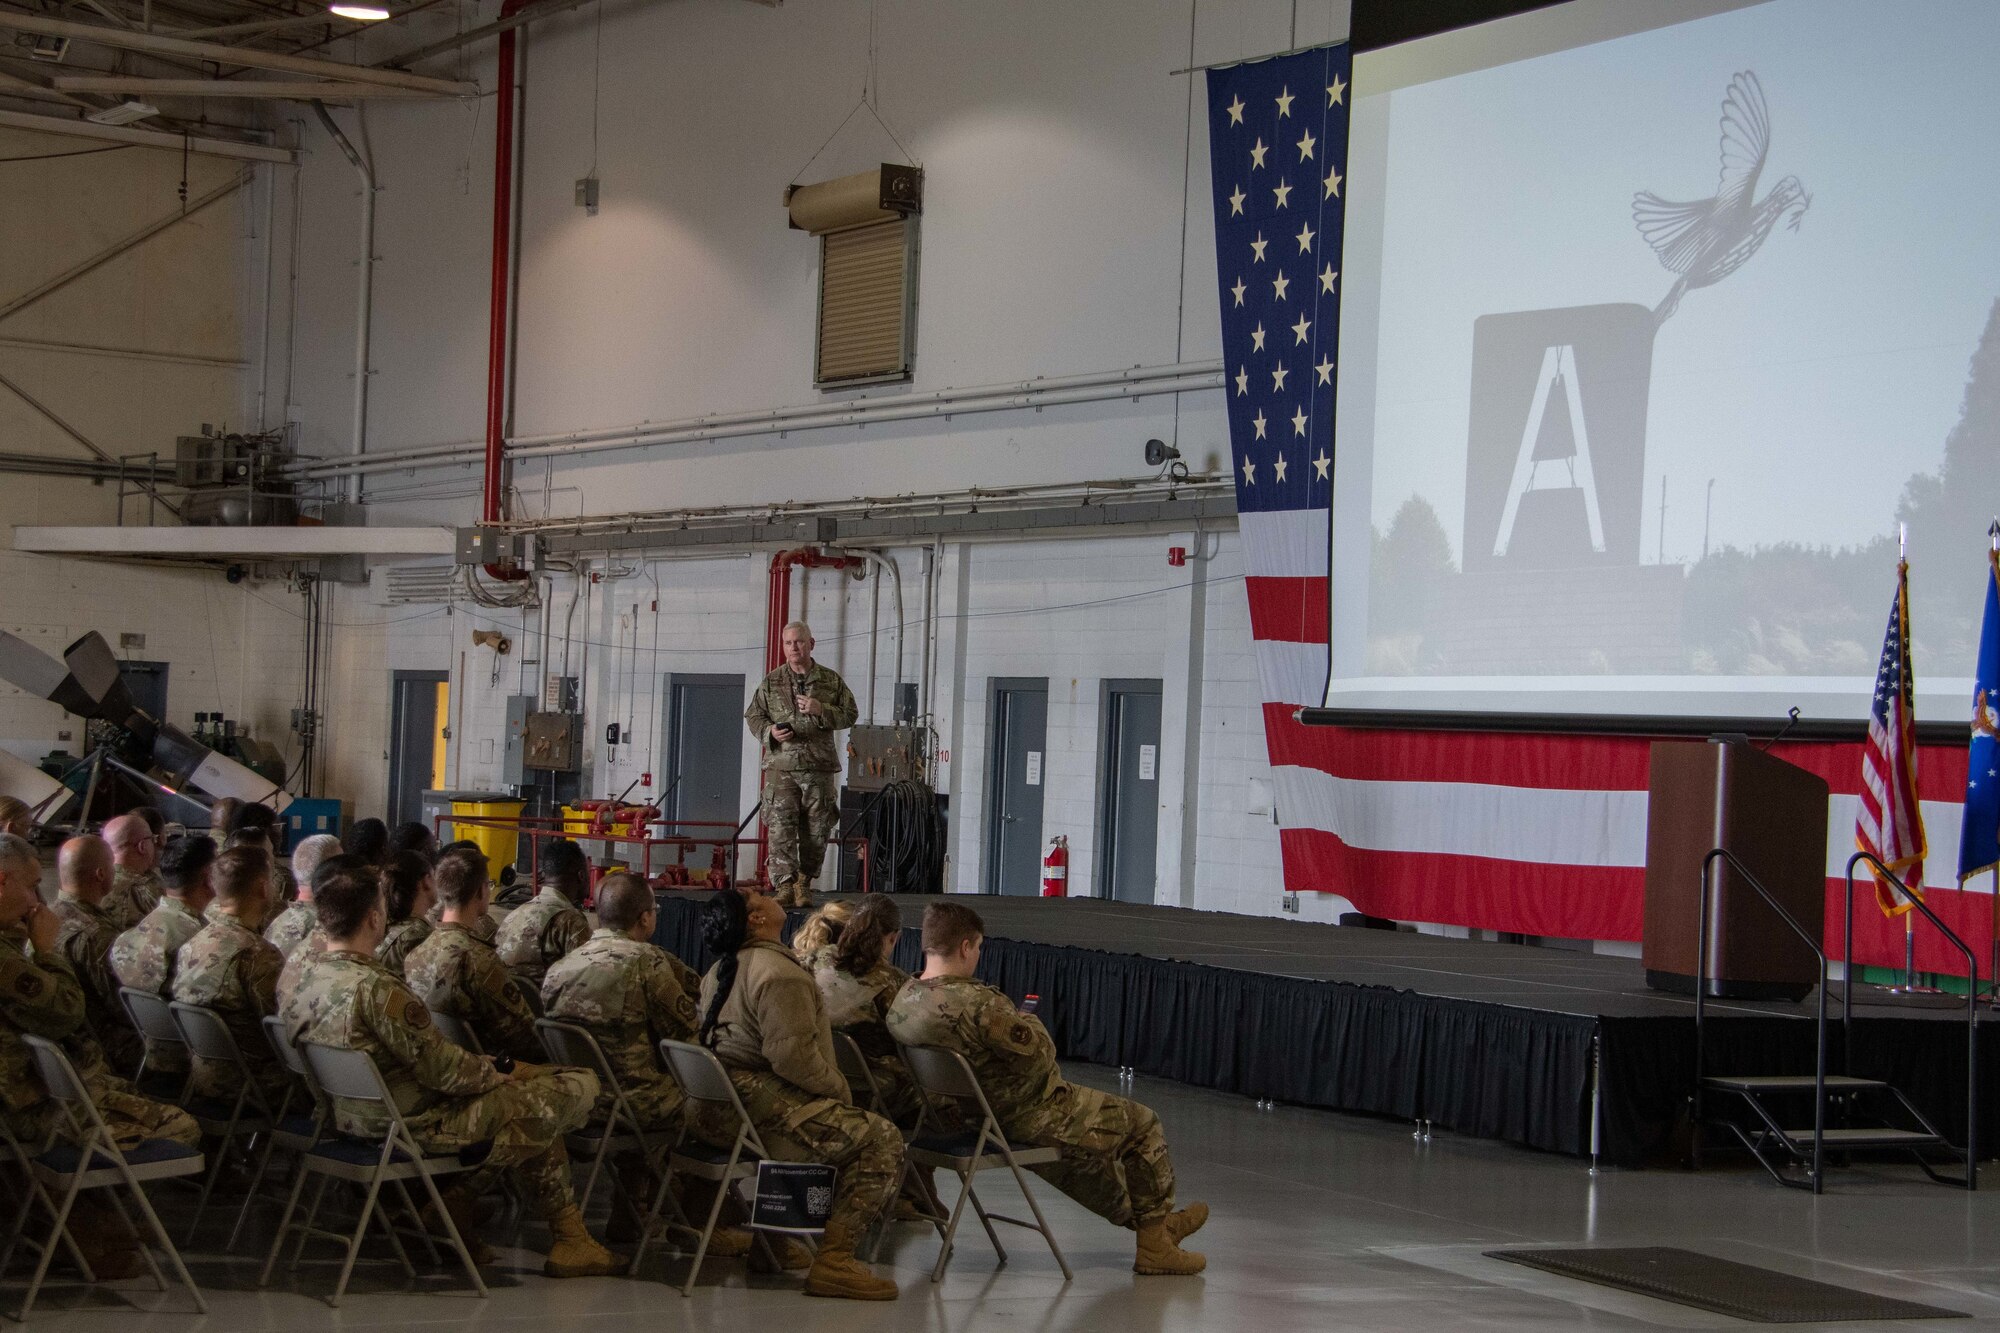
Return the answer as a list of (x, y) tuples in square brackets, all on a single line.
[(1540, 834)]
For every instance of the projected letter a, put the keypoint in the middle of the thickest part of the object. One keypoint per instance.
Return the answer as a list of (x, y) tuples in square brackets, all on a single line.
[(1558, 380)]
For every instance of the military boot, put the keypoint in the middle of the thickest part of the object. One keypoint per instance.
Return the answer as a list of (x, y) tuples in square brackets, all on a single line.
[(1160, 1255), (1184, 1222), (467, 1216), (836, 1272), (573, 1253)]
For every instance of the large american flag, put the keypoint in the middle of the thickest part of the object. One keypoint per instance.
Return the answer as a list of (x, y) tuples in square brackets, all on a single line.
[(1890, 824)]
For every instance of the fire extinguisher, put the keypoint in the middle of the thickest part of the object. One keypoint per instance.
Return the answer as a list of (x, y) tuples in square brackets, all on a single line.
[(1055, 869)]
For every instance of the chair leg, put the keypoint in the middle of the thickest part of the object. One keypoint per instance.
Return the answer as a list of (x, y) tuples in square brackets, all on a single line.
[(1041, 1223), (284, 1222), (312, 1220), (209, 1179), (596, 1170), (724, 1187), (451, 1231), (354, 1241), (986, 1220), (145, 1252), (48, 1249), (660, 1200), (166, 1243), (417, 1222), (951, 1228), (256, 1183)]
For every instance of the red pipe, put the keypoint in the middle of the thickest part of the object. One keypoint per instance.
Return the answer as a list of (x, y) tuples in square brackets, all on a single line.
[(496, 328)]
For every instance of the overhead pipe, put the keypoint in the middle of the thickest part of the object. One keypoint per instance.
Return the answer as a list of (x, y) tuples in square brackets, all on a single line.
[(500, 288), (363, 316), (882, 562)]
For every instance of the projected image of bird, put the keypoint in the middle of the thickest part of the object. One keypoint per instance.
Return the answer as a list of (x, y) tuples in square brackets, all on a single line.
[(1706, 240)]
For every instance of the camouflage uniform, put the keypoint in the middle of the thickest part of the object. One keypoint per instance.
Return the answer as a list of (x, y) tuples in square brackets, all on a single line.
[(41, 996), (308, 949), (857, 1006), (144, 958), (539, 932), (774, 1040), (85, 939), (451, 1100), (1114, 1155), (288, 930), (403, 936), (801, 804), (485, 929), (134, 894), (231, 969), (630, 996), (453, 973)]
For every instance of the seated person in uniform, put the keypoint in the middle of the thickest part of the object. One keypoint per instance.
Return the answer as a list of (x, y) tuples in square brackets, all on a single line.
[(551, 923), (630, 994), (456, 973), (761, 1015), (15, 818), (135, 854), (144, 956), (84, 868), (821, 927), (414, 837), (408, 890), (252, 820), (317, 858), (1114, 1155), (858, 983), (367, 839), (483, 927), (296, 923), (453, 1101), (232, 969)]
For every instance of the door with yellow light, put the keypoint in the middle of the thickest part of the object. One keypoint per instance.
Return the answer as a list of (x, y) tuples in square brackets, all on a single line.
[(419, 721)]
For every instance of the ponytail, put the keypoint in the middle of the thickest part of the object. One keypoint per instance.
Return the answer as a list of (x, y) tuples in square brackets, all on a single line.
[(859, 945), (725, 927)]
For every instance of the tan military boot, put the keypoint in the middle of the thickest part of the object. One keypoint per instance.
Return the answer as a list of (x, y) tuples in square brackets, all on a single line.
[(465, 1214), (791, 1254), (837, 1273), (1159, 1255), (573, 1253), (1184, 1222)]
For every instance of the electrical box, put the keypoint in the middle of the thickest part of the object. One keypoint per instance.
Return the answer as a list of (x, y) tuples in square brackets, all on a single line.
[(554, 742), (878, 756), (491, 546), (514, 744)]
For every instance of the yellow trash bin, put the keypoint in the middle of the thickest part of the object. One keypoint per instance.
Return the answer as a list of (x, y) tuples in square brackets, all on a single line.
[(501, 845)]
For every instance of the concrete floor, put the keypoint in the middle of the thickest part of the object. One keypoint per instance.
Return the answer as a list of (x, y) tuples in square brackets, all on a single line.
[(1321, 1221)]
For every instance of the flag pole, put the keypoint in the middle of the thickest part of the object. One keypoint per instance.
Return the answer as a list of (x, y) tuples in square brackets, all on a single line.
[(1993, 915)]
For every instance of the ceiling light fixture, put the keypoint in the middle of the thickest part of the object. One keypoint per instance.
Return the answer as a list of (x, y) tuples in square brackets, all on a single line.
[(359, 13), (124, 113)]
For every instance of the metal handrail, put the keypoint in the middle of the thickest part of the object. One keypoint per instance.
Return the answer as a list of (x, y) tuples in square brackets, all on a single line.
[(1916, 900), (1708, 888)]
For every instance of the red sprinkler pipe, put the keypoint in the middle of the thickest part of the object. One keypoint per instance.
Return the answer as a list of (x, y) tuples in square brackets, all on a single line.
[(778, 605), (496, 328)]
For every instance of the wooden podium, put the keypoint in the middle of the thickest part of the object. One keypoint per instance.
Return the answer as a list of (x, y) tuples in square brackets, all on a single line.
[(1771, 815)]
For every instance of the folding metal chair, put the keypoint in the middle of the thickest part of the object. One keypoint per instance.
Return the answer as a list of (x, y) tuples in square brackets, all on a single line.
[(353, 1076), (619, 1132), (938, 1072), (530, 993), (454, 1030), (207, 1037), (703, 1079), (853, 1066), (91, 1159), (154, 1019), (22, 1160), (294, 1131)]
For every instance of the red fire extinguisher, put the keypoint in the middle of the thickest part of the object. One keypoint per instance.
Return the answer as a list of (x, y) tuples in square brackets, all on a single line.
[(1055, 869)]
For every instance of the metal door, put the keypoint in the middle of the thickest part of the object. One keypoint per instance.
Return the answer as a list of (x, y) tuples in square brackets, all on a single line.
[(1020, 713), (146, 682), (1128, 806), (704, 754), (417, 736)]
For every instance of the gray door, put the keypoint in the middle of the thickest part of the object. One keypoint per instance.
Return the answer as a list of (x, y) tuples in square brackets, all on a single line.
[(414, 729), (1128, 806), (704, 754), (146, 682), (1020, 713)]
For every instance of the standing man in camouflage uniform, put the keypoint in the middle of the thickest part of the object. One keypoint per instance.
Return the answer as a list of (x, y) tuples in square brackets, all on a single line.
[(794, 715), (452, 1101), (455, 973), (551, 923), (762, 1016), (146, 956), (87, 934), (1114, 1155), (230, 968), (135, 884)]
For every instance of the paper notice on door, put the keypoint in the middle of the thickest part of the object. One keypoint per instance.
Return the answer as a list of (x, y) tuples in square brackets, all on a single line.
[(1149, 762), (1034, 768)]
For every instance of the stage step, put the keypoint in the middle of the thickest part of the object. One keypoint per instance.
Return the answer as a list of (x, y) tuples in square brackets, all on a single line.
[(1755, 1083), (1872, 1137)]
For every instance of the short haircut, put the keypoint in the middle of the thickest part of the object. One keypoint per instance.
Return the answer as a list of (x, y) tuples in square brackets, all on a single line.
[(240, 873), (254, 814), (309, 855), (402, 880), (414, 837), (623, 899), (461, 845), (345, 889), (249, 837), (563, 859), (17, 854), (367, 839), (798, 625), (184, 860), (460, 876), (948, 925), (154, 819)]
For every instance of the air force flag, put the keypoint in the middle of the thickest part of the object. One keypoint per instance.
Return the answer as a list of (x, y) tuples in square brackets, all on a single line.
[(1979, 835)]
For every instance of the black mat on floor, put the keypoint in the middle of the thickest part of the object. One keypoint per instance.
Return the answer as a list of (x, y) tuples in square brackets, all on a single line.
[(1721, 1285), (1496, 1040)]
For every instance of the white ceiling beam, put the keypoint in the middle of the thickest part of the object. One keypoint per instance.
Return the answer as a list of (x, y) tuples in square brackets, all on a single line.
[(248, 57), (83, 129), (227, 541), (304, 91)]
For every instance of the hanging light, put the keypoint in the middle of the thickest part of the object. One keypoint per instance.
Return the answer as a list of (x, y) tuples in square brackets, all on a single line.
[(360, 13)]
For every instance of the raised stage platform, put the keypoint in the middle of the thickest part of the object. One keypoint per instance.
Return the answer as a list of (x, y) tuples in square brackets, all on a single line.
[(1549, 1048)]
